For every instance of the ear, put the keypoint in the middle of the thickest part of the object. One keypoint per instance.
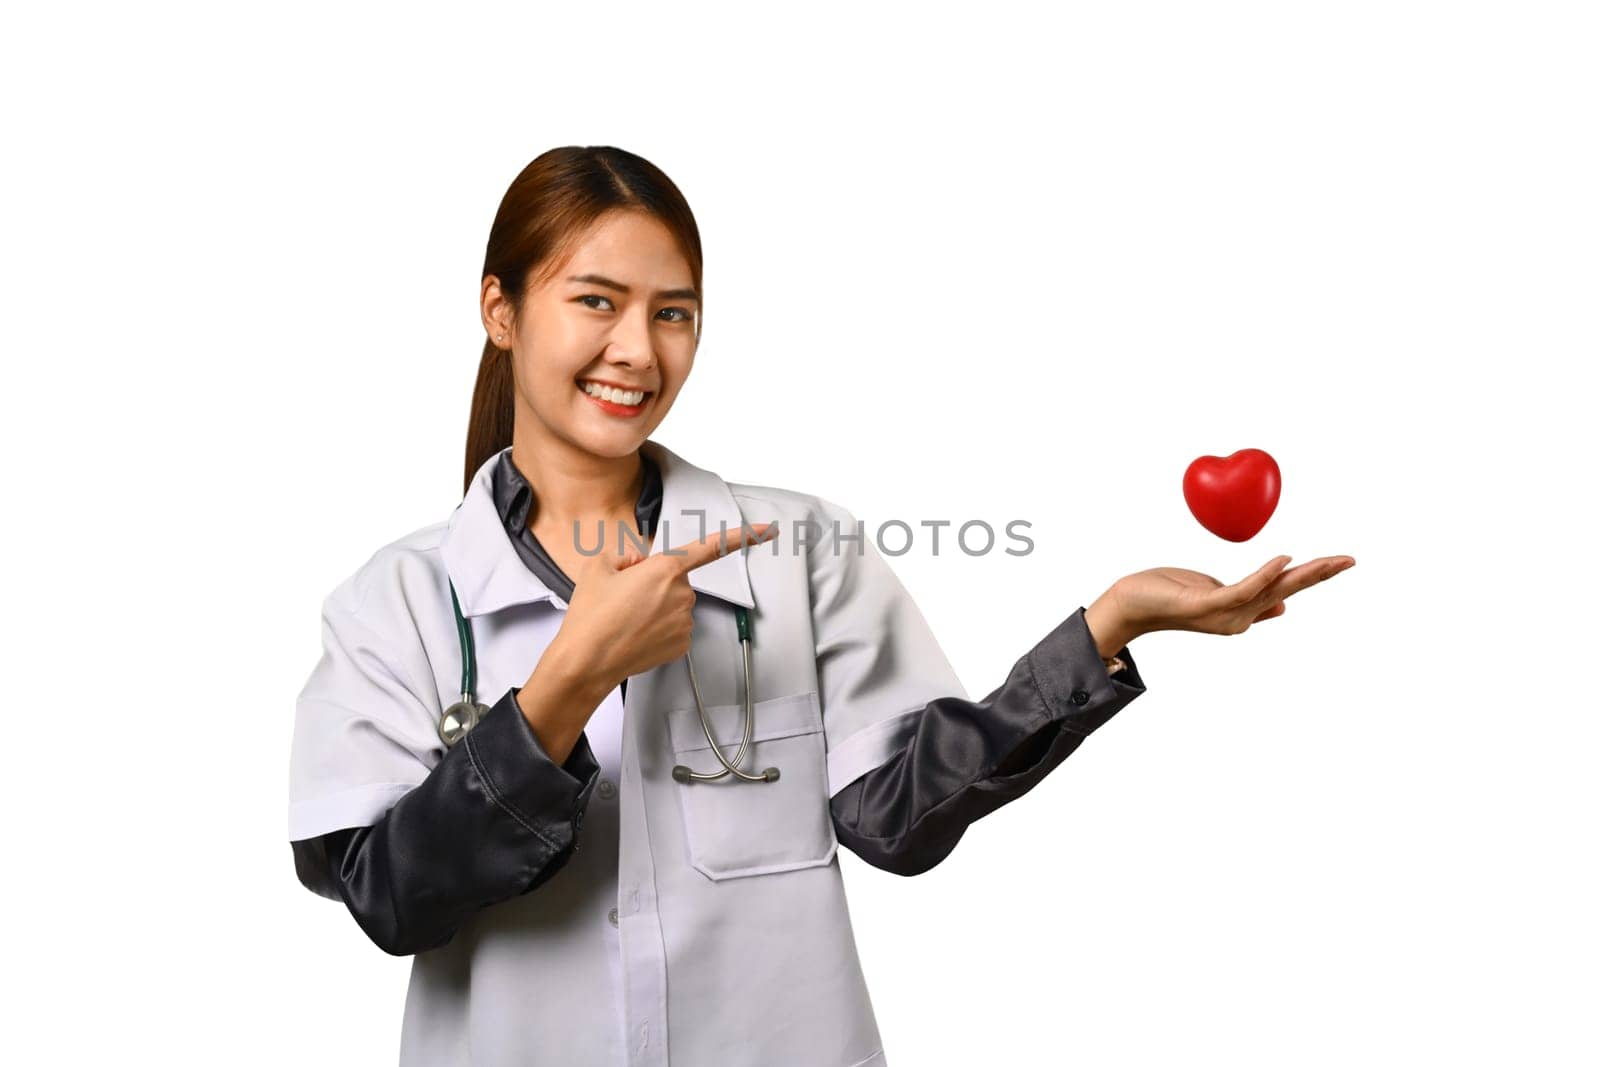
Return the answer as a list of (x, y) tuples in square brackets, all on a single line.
[(499, 319)]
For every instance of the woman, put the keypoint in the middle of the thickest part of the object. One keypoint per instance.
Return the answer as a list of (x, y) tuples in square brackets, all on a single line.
[(578, 877)]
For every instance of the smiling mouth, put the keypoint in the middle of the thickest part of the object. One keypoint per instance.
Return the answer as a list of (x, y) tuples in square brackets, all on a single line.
[(613, 400)]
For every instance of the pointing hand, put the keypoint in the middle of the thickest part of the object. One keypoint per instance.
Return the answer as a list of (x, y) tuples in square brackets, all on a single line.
[(631, 612)]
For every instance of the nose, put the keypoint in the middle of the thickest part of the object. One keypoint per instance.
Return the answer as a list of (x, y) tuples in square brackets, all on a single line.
[(630, 344)]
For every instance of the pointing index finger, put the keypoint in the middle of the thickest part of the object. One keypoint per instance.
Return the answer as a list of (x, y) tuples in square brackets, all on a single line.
[(714, 545)]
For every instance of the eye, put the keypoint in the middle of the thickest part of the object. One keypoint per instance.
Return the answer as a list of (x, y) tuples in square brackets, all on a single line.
[(682, 313), (593, 296)]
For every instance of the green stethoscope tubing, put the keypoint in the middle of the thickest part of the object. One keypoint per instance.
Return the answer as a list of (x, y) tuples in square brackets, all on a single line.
[(469, 657), (466, 713)]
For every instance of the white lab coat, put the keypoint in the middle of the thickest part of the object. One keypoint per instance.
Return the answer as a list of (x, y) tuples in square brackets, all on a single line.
[(730, 939)]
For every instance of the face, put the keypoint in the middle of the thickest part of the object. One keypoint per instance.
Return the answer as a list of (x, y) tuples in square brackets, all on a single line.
[(615, 320)]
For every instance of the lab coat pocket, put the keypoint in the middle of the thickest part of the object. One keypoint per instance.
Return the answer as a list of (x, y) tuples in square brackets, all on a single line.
[(734, 828)]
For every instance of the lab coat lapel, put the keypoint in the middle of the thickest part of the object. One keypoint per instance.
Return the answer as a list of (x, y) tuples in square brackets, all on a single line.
[(696, 503), (478, 556), (489, 575)]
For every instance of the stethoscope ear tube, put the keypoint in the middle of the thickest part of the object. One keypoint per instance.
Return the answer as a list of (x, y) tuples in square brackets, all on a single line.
[(681, 773)]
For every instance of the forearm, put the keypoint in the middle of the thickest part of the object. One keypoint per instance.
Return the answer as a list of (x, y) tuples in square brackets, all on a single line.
[(495, 818), (968, 758), (560, 696)]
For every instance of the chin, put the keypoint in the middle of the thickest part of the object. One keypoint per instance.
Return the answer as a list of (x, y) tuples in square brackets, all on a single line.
[(613, 444)]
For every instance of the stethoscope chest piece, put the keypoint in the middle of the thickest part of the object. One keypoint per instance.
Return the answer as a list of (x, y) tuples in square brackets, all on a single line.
[(458, 718)]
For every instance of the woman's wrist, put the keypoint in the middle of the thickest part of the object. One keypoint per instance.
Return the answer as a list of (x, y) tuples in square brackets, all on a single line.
[(559, 697), (572, 674), (1110, 628)]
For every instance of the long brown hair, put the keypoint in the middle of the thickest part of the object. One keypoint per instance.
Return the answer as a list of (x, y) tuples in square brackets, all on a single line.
[(551, 203)]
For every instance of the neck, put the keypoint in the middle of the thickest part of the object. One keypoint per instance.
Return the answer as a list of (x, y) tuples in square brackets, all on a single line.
[(571, 485)]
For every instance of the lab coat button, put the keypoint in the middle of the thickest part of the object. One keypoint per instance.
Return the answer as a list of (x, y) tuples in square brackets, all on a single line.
[(1079, 697), (607, 790), (612, 916)]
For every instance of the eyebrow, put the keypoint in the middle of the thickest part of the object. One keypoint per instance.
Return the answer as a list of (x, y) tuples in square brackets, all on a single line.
[(664, 294)]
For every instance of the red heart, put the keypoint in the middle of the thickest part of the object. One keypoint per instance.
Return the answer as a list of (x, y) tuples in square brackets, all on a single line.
[(1233, 497)]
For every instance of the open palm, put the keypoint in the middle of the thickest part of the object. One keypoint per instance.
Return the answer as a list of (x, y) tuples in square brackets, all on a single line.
[(1171, 598)]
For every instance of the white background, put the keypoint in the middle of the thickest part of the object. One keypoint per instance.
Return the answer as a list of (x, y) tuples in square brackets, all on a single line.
[(966, 263)]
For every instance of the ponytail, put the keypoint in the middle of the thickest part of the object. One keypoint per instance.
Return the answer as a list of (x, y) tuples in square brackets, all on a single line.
[(493, 407)]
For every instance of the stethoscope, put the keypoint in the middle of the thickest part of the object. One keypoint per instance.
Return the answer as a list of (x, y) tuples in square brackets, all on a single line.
[(466, 713)]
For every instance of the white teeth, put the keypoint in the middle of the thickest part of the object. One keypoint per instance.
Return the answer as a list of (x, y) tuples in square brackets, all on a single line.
[(628, 397)]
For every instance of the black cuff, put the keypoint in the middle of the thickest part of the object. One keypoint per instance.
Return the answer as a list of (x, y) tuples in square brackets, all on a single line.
[(548, 801), (1073, 680)]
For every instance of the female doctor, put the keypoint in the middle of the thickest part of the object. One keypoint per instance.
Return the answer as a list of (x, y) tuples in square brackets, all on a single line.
[(692, 691)]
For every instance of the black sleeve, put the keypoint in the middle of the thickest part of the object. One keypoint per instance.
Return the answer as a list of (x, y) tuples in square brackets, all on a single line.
[(968, 758), (495, 818)]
